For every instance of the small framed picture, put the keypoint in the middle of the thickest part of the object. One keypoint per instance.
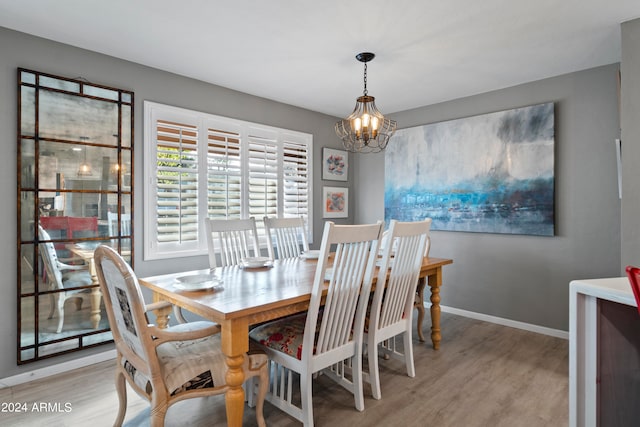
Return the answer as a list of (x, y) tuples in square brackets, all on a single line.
[(335, 202), (335, 164)]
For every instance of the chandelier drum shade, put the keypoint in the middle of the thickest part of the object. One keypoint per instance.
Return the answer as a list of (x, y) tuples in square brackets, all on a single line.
[(366, 130)]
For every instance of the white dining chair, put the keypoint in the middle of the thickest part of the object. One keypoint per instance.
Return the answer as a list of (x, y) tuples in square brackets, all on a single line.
[(232, 240), (286, 237), (324, 338), (391, 311), (61, 276), (125, 224)]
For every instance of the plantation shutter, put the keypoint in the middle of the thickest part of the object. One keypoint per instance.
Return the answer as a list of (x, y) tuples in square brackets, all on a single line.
[(262, 175), (177, 182), (296, 179), (224, 174)]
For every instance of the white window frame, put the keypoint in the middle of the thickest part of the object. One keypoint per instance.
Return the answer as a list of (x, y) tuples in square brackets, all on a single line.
[(152, 113)]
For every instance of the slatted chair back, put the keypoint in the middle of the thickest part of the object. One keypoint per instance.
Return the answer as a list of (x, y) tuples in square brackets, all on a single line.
[(286, 237), (125, 224), (392, 305), (232, 239), (341, 325)]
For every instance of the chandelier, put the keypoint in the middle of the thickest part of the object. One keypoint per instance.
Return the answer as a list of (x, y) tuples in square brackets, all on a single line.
[(366, 130)]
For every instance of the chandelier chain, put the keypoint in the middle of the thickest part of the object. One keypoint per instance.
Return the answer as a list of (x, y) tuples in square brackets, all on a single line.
[(365, 79)]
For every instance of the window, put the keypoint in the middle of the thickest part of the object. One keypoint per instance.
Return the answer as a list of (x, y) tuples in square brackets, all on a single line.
[(199, 165)]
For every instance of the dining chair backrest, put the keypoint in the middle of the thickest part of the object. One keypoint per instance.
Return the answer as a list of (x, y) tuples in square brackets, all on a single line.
[(341, 325), (232, 239), (50, 259), (125, 309), (633, 274), (401, 261), (286, 237), (125, 224)]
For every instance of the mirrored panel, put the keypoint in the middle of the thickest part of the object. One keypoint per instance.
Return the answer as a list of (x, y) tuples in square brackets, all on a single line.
[(75, 163)]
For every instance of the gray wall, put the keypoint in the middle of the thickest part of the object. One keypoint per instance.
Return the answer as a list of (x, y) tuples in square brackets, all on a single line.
[(630, 71), (21, 50), (526, 278)]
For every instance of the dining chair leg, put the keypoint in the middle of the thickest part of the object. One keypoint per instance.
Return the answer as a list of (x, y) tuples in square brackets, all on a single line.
[(52, 304), (121, 388), (60, 313), (263, 387), (374, 376), (358, 393), (250, 392), (306, 399), (158, 411), (407, 337)]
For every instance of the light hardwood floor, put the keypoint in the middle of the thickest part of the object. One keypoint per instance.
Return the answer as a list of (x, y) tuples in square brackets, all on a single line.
[(483, 375)]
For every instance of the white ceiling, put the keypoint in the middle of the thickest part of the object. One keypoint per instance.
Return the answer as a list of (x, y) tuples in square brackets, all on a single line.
[(302, 52)]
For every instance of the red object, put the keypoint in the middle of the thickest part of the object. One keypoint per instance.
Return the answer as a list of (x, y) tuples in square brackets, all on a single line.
[(70, 224), (633, 273)]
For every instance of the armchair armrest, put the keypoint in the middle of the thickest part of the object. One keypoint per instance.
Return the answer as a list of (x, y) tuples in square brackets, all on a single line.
[(62, 266), (157, 305), (193, 331)]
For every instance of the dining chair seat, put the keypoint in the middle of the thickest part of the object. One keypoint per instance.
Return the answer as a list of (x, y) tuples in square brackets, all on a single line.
[(183, 366), (284, 335)]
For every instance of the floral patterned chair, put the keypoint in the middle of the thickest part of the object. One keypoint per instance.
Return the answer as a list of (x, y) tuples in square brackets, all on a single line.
[(168, 365)]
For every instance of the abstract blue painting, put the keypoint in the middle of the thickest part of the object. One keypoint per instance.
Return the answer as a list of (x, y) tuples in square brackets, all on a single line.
[(492, 173)]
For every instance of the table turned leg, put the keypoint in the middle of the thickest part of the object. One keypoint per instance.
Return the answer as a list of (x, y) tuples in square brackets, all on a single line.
[(419, 305), (162, 313), (235, 343), (435, 281)]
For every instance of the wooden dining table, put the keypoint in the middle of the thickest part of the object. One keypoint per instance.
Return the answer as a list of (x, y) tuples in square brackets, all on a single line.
[(86, 254), (249, 296)]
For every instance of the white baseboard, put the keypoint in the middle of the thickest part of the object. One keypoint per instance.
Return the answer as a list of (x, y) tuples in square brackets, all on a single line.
[(56, 369), (505, 322)]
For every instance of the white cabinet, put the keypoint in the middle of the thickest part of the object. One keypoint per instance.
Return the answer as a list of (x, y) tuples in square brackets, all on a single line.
[(604, 349)]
